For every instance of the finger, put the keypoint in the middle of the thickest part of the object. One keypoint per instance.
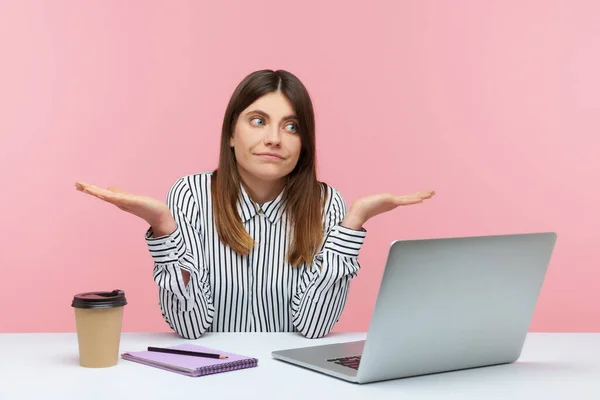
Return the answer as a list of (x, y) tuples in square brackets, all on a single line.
[(93, 189), (409, 199), (425, 194), (99, 193), (116, 190), (83, 186), (80, 185), (106, 195)]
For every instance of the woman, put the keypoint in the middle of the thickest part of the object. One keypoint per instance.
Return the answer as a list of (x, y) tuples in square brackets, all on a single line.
[(259, 244)]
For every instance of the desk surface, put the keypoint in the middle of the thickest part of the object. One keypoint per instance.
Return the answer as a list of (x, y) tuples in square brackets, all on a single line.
[(37, 366)]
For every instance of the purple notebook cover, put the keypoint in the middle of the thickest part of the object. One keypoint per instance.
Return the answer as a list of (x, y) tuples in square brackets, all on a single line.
[(191, 365)]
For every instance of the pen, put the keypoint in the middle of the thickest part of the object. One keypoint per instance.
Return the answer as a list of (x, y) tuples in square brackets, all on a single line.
[(186, 352)]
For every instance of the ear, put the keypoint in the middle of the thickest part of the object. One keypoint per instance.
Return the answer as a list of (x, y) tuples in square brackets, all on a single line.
[(231, 141)]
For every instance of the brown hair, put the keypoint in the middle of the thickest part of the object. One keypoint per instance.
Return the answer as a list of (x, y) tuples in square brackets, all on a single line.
[(303, 194)]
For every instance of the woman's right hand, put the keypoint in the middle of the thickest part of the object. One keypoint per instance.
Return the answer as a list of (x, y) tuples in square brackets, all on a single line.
[(155, 212)]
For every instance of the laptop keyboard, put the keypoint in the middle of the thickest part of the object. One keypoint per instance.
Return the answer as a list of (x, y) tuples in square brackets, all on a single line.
[(350, 362)]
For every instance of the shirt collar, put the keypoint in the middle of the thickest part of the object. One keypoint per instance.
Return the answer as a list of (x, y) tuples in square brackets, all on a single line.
[(248, 209)]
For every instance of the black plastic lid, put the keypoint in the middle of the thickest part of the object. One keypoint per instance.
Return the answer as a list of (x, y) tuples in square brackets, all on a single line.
[(116, 298)]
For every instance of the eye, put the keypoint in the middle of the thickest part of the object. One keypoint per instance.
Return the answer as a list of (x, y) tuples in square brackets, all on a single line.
[(294, 127), (261, 121)]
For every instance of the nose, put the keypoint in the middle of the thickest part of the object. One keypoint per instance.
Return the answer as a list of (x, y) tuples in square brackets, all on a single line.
[(273, 136)]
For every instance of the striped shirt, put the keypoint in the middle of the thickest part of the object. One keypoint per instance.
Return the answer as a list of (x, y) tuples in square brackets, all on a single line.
[(258, 292)]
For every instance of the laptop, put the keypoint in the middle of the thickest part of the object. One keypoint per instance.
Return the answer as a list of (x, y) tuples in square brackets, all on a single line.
[(443, 305)]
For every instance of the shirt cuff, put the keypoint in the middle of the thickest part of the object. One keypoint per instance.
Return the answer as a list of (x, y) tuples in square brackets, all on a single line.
[(345, 241), (165, 249)]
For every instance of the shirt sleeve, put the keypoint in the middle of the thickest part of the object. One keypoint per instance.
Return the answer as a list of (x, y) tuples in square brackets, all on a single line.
[(323, 287), (187, 309)]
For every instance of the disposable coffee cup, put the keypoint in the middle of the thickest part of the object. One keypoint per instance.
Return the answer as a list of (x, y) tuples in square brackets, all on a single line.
[(99, 318)]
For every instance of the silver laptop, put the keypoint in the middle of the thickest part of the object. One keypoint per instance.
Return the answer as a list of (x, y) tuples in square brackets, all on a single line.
[(443, 305)]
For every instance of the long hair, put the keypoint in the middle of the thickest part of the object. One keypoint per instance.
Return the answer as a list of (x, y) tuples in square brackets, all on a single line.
[(304, 196)]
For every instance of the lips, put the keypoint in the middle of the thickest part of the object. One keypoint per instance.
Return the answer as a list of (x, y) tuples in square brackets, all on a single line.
[(270, 155)]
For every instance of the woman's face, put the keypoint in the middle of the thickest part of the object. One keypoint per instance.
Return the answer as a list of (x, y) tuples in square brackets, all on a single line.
[(266, 141)]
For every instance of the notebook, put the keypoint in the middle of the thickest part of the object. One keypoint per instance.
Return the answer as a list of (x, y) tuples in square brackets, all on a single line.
[(191, 365)]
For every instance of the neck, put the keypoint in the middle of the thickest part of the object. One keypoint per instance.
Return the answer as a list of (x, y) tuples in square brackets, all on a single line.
[(261, 191)]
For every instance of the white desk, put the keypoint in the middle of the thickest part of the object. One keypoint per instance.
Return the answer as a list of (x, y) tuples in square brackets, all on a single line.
[(45, 366)]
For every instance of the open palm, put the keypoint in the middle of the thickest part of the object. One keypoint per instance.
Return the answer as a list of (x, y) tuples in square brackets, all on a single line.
[(370, 206), (149, 209)]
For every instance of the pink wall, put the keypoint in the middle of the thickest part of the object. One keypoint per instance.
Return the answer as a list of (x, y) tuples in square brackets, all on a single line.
[(494, 104)]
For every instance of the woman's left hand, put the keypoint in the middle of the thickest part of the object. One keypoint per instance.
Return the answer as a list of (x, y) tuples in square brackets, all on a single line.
[(367, 207)]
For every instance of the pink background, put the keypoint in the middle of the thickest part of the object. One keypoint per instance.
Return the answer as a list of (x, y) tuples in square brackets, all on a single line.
[(494, 104)]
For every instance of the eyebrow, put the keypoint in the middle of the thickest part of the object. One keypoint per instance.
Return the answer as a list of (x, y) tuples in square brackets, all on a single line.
[(264, 114)]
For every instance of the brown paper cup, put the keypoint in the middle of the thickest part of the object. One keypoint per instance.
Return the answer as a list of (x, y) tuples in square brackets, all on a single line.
[(99, 318)]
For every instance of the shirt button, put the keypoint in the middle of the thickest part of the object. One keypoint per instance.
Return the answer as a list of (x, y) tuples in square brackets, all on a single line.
[(172, 255)]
